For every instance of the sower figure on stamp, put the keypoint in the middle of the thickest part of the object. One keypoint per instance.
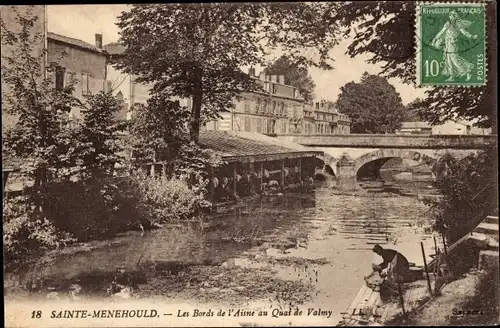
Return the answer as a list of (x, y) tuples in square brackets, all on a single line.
[(454, 65)]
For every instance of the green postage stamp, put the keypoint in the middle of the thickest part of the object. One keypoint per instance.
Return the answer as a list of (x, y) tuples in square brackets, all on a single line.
[(451, 44)]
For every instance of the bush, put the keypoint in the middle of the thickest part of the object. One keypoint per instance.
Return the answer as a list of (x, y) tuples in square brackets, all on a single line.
[(25, 233), (164, 200), (470, 193), (91, 210), (94, 209)]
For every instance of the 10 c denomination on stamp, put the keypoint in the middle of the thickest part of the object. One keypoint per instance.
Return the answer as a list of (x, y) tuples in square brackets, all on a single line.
[(451, 44)]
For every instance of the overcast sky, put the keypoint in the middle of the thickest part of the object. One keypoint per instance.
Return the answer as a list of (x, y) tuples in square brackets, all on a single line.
[(83, 21)]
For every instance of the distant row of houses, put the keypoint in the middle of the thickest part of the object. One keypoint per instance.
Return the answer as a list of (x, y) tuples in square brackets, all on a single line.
[(277, 109), (450, 127)]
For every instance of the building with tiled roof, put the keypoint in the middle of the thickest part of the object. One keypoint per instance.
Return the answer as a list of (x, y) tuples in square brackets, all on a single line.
[(87, 63), (53, 37), (252, 146)]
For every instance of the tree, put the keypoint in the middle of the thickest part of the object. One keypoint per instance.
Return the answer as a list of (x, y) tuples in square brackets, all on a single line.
[(196, 50), (470, 192), (385, 31), (294, 75), (373, 105), (98, 136), (158, 132), (412, 111), (39, 137), (156, 125)]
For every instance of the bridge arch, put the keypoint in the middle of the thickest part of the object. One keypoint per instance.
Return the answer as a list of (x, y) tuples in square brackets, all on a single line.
[(369, 164), (327, 163)]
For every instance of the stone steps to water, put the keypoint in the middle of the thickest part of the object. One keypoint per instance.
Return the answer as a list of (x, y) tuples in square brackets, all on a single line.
[(489, 229), (483, 241), (491, 219)]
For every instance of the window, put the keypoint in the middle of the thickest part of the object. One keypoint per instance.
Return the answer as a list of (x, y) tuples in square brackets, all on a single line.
[(275, 107), (85, 84), (283, 127), (259, 125), (274, 88), (60, 71), (247, 124), (295, 111), (257, 106), (282, 108), (247, 106), (264, 106)]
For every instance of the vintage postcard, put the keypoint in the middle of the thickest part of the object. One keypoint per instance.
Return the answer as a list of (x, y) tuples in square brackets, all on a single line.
[(250, 164)]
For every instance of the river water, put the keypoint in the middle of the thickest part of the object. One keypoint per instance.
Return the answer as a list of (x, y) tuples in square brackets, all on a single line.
[(341, 229)]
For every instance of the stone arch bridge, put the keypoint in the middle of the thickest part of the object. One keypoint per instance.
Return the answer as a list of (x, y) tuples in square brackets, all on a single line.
[(351, 156)]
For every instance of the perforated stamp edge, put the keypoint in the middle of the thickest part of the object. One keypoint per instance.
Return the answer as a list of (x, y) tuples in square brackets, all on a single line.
[(418, 45)]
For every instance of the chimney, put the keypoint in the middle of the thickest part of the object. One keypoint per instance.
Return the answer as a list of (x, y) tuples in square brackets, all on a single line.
[(274, 78), (281, 79), (98, 40)]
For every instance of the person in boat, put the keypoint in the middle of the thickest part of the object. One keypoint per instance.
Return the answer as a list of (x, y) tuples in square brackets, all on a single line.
[(395, 267)]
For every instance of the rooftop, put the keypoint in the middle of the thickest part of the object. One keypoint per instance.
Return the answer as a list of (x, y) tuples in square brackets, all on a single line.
[(233, 145), (114, 48), (415, 125), (74, 42)]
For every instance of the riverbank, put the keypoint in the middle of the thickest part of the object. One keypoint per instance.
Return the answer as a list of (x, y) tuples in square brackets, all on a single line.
[(471, 300), (307, 249)]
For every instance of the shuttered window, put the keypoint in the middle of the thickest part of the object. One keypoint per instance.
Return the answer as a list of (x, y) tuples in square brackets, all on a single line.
[(60, 72), (86, 84)]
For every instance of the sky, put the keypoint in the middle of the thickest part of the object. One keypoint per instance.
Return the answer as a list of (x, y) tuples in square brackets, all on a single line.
[(84, 21)]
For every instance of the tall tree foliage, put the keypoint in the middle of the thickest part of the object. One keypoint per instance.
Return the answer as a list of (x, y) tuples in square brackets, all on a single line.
[(196, 50), (99, 136), (385, 31), (412, 111), (38, 137), (295, 75), (156, 125), (373, 105)]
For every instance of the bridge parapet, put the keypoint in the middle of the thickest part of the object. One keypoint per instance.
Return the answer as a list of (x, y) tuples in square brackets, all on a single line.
[(394, 141)]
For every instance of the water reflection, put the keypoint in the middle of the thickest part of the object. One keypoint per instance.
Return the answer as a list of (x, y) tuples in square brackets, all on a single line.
[(342, 229)]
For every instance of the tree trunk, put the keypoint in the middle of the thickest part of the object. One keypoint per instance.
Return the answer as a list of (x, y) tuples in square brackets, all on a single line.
[(195, 118), (196, 110)]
